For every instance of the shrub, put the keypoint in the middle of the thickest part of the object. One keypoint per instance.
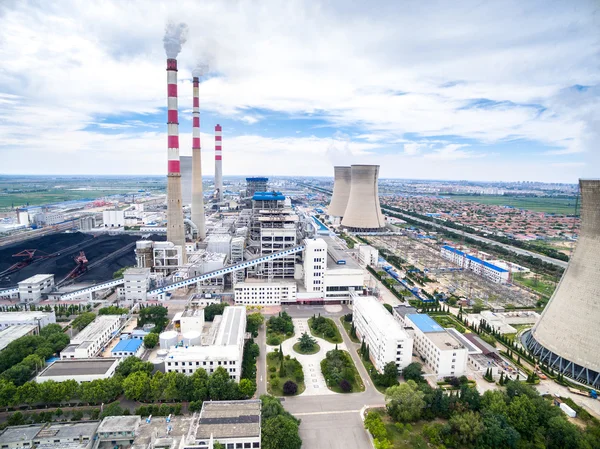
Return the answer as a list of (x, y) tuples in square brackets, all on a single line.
[(290, 388), (272, 369), (273, 340), (273, 375), (345, 386), (348, 318), (275, 382)]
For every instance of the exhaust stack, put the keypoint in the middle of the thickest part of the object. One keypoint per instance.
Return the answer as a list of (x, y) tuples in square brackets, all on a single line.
[(175, 230), (218, 164), (197, 193)]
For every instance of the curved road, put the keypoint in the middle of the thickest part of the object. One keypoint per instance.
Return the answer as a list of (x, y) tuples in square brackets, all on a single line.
[(514, 249)]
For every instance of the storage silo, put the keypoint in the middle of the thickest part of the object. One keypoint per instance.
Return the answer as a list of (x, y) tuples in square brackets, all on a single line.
[(168, 339), (192, 338)]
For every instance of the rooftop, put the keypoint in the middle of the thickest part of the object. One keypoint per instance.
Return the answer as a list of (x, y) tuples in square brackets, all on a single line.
[(444, 340), (229, 419), (19, 433), (69, 430), (232, 326), (404, 310), (23, 316), (79, 367), (36, 279), (425, 323), (93, 330), (112, 424), (374, 313), (156, 430), (268, 196), (129, 345), (11, 333), (474, 259), (137, 271)]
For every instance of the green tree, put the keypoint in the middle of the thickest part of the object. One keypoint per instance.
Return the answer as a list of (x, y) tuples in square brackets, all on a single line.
[(137, 386), (253, 323), (389, 378), (413, 372), (306, 342), (389, 308), (498, 433), (221, 387), (151, 340), (280, 432), (213, 310), (561, 434), (466, 427), (247, 388), (405, 402), (83, 320), (133, 364), (156, 315), (374, 424)]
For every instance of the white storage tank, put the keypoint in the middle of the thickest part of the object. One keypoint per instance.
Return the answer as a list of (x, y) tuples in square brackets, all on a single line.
[(168, 339), (192, 338)]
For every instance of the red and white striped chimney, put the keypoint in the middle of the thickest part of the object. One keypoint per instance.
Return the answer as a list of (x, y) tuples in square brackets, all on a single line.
[(175, 230), (218, 163), (197, 192)]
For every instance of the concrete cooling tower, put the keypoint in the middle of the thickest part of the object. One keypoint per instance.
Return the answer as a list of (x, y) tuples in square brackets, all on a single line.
[(341, 191), (363, 211), (567, 337)]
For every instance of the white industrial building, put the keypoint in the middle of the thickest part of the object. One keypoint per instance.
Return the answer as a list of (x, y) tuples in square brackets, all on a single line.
[(367, 255), (486, 269), (93, 338), (32, 289), (82, 370), (259, 292), (137, 282), (113, 218), (190, 320), (443, 353), (48, 218), (12, 333), (224, 349), (37, 318), (65, 435), (387, 340)]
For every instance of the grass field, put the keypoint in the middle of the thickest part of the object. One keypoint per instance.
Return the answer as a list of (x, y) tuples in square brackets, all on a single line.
[(337, 338), (348, 327), (564, 206), (275, 382), (54, 196), (316, 348), (403, 436), (543, 286)]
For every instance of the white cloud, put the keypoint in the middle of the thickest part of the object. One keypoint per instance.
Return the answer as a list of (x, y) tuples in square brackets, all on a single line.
[(399, 70)]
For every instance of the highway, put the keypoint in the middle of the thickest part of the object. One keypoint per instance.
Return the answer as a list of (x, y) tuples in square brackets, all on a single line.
[(514, 249)]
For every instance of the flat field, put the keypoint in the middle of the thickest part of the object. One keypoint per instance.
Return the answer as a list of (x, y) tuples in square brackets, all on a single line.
[(565, 206)]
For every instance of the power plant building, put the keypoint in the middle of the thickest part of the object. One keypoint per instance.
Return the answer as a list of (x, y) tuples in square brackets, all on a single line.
[(567, 336)]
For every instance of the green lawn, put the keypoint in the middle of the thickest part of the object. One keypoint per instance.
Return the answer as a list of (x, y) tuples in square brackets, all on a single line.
[(347, 327), (403, 436), (316, 348), (280, 337), (273, 361), (337, 338), (542, 285), (357, 385), (449, 321), (55, 196), (565, 206)]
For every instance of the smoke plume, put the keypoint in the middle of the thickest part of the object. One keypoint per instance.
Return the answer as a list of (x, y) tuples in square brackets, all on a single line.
[(200, 69), (175, 37)]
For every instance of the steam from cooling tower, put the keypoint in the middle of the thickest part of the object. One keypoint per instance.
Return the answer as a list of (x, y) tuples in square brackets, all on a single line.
[(175, 37)]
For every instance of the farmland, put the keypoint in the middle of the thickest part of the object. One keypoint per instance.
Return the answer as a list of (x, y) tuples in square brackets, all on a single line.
[(565, 206)]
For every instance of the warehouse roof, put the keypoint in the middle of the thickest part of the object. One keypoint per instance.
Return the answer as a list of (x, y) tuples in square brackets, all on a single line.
[(78, 367), (475, 259), (232, 326), (129, 345), (19, 433), (425, 323), (11, 333), (229, 419)]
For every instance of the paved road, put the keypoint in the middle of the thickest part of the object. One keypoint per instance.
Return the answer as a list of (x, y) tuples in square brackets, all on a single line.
[(261, 362), (514, 249), (331, 421)]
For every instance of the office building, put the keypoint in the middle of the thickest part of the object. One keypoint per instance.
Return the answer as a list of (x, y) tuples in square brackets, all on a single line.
[(32, 289), (488, 270), (93, 338), (37, 318)]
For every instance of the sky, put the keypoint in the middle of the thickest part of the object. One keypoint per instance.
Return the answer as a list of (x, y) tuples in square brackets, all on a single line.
[(457, 90)]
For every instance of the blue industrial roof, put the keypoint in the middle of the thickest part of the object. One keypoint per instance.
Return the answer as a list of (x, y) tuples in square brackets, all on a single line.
[(268, 196), (425, 323), (130, 345), (257, 179), (475, 259)]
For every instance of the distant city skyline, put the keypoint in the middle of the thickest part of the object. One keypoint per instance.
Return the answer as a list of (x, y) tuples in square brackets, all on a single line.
[(497, 91)]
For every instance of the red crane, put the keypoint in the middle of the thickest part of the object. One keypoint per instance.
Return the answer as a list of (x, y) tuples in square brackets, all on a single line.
[(29, 256), (81, 267)]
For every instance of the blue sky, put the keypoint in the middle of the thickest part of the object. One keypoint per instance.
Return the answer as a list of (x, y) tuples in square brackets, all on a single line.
[(441, 90)]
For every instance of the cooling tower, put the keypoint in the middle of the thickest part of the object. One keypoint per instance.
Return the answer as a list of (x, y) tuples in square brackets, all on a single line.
[(363, 211), (567, 336), (341, 191)]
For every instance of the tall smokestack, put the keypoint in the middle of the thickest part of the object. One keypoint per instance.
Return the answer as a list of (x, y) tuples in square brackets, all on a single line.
[(175, 230), (197, 193), (218, 163)]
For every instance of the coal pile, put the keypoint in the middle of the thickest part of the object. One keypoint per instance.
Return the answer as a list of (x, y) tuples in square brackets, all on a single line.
[(68, 245)]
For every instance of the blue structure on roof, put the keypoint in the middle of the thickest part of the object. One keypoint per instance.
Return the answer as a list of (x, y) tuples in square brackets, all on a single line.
[(131, 345), (258, 179), (475, 259), (425, 323), (268, 196)]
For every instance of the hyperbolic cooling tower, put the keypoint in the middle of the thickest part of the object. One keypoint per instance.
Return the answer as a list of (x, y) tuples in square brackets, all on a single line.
[(363, 210), (197, 193), (175, 230), (567, 337), (341, 191)]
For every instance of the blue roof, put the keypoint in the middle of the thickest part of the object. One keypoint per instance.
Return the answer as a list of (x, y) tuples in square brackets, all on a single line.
[(268, 196), (475, 259), (425, 323), (130, 345), (257, 179)]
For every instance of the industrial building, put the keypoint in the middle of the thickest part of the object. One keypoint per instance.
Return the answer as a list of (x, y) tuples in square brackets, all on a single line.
[(79, 370), (387, 340), (222, 347), (234, 424), (368, 256), (253, 185), (128, 347), (363, 211), (12, 333), (137, 282), (93, 338), (32, 289), (481, 267), (566, 338), (113, 218), (439, 349), (190, 320), (29, 317), (118, 431), (258, 292), (73, 435)]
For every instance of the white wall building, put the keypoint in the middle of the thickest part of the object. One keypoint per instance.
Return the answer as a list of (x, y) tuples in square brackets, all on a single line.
[(113, 218), (82, 370), (48, 218), (486, 269), (224, 351), (137, 281), (12, 333), (259, 292), (367, 255), (315, 265), (32, 289), (387, 340), (443, 353), (189, 320), (92, 339), (41, 319)]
